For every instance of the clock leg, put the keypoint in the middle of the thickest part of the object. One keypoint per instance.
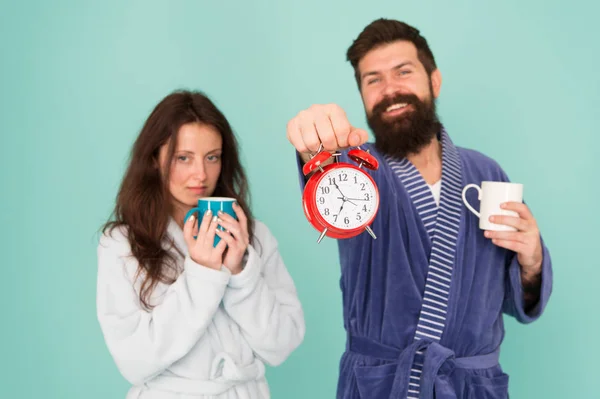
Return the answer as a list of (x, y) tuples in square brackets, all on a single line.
[(370, 232), (321, 236)]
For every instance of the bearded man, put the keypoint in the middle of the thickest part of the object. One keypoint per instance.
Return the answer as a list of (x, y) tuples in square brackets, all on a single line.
[(424, 302)]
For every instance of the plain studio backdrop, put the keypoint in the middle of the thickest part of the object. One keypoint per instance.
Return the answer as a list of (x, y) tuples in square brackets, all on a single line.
[(78, 78)]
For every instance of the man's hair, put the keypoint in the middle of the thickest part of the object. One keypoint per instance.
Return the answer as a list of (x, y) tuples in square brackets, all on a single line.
[(384, 31)]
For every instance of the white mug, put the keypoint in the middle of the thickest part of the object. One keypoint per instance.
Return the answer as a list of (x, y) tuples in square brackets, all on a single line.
[(491, 195)]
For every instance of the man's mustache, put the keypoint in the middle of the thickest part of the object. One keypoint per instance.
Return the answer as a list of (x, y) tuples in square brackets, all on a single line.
[(408, 99)]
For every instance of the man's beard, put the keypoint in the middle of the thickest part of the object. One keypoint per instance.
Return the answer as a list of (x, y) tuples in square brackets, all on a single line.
[(408, 133)]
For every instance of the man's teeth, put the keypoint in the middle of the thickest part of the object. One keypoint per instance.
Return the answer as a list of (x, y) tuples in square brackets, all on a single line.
[(395, 106)]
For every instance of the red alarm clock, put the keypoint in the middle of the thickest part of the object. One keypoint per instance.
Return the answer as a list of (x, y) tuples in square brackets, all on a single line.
[(341, 200)]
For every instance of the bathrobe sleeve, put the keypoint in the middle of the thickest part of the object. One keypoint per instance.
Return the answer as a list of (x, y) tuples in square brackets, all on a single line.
[(514, 301), (262, 299)]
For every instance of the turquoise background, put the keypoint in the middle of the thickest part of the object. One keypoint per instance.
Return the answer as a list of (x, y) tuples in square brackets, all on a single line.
[(78, 79)]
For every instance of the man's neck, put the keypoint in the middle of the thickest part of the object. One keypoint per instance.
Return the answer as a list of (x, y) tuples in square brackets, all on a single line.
[(428, 161)]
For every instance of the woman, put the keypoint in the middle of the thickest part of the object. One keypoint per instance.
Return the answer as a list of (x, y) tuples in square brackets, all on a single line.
[(181, 318)]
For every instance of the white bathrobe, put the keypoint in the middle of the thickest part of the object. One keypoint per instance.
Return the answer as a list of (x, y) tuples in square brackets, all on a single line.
[(210, 332)]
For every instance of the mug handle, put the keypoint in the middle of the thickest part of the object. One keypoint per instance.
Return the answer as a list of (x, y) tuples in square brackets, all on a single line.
[(190, 212), (467, 187)]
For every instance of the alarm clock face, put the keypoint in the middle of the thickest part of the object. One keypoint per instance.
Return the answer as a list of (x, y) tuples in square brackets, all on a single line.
[(346, 198)]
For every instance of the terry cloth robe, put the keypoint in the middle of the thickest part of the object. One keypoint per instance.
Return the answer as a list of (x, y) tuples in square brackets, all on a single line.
[(423, 303), (210, 332)]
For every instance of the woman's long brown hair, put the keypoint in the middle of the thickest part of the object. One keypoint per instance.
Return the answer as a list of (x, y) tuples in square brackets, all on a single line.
[(144, 205)]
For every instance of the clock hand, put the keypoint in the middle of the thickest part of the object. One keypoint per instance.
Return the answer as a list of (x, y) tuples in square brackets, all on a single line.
[(338, 188), (343, 197), (341, 207), (347, 200), (355, 199)]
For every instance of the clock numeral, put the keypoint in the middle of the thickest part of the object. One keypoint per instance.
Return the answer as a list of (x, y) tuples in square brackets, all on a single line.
[(367, 196), (355, 180), (332, 181), (324, 190), (358, 217), (364, 208), (326, 212), (343, 177), (346, 220), (321, 200), (362, 186), (335, 218)]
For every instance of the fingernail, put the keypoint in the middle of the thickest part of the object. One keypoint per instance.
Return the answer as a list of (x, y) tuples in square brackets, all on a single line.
[(214, 219), (192, 218), (492, 218), (208, 212), (220, 213), (487, 234), (503, 205)]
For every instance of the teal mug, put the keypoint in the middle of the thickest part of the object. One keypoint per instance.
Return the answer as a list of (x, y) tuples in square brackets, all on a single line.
[(215, 204)]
